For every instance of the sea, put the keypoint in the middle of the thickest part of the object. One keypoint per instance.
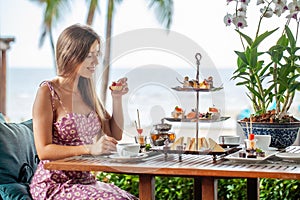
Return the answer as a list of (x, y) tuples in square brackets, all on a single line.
[(151, 97)]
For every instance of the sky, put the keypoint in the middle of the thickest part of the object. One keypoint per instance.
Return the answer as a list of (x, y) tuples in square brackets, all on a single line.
[(200, 21), (196, 20)]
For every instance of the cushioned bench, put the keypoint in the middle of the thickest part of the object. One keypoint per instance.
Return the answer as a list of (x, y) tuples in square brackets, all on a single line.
[(18, 159)]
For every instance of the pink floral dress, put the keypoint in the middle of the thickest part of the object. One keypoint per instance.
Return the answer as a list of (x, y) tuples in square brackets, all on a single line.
[(73, 129)]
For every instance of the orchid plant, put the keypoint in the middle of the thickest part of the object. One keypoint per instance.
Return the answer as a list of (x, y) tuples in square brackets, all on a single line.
[(270, 76)]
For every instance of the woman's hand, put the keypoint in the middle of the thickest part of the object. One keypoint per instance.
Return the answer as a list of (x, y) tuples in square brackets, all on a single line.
[(104, 145), (118, 93)]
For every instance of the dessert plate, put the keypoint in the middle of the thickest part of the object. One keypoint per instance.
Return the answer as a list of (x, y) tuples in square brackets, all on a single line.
[(118, 158), (236, 157), (289, 156)]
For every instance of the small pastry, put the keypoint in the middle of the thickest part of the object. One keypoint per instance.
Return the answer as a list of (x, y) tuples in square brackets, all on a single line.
[(186, 82), (178, 112), (213, 109), (210, 82), (191, 115), (116, 86), (215, 113)]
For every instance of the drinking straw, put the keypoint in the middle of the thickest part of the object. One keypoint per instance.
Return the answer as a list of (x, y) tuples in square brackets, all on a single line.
[(247, 130), (138, 115), (135, 124), (250, 124)]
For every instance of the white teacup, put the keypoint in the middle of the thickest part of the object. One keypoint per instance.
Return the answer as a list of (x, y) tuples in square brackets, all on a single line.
[(128, 149), (263, 141)]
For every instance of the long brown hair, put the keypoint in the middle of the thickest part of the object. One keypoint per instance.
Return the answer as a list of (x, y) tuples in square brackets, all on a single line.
[(73, 46)]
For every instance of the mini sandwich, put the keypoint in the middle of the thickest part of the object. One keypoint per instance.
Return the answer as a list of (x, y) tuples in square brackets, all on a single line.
[(189, 142), (215, 146), (203, 144), (178, 142)]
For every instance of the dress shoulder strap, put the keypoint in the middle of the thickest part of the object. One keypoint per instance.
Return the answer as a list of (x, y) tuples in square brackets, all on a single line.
[(54, 95)]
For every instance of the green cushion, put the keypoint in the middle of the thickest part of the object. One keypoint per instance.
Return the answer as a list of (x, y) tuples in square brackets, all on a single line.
[(17, 152), (2, 118), (15, 191)]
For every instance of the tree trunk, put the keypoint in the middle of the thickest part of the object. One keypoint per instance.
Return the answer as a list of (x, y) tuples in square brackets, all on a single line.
[(91, 12), (106, 61)]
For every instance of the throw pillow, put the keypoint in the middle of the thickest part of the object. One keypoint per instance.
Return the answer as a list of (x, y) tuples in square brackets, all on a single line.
[(15, 191), (17, 150)]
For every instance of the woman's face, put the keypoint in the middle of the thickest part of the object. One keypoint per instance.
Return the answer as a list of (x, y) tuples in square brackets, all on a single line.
[(88, 66)]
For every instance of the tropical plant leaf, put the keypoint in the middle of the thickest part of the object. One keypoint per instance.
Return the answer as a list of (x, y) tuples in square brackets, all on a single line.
[(246, 37), (255, 93), (290, 37), (242, 83), (276, 53), (261, 37), (295, 86), (242, 56), (282, 41), (253, 58)]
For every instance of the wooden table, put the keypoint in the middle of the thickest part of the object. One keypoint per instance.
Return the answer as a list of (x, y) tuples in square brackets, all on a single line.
[(201, 167)]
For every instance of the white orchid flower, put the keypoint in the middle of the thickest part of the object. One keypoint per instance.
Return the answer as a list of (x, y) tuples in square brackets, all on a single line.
[(267, 12), (228, 1), (279, 9), (280, 2), (294, 6), (293, 15), (228, 19), (270, 8), (260, 2), (242, 11), (239, 22), (245, 2)]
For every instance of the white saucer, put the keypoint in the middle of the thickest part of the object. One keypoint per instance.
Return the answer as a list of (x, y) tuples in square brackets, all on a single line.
[(118, 158), (272, 149), (289, 156)]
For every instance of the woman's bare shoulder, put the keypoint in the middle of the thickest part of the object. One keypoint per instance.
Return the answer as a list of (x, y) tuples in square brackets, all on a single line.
[(46, 89)]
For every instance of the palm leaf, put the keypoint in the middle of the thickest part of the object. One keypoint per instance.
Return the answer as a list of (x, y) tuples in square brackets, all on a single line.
[(164, 11)]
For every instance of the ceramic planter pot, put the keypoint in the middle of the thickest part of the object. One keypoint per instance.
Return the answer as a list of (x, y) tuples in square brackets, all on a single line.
[(283, 134)]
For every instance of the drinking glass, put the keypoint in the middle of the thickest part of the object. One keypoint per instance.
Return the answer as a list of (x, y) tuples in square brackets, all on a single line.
[(141, 139)]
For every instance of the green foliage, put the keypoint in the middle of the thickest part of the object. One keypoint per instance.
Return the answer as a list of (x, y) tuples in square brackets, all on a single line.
[(182, 187), (126, 182), (253, 72), (273, 189), (232, 189), (166, 187), (270, 189), (173, 188), (270, 75), (274, 82)]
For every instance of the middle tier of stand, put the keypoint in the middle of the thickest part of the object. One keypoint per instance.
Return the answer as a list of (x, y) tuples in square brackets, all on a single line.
[(171, 119)]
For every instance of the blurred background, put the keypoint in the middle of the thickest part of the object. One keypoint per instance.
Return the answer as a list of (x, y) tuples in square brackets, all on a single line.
[(192, 26)]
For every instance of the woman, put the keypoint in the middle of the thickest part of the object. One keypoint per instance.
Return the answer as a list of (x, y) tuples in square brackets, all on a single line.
[(69, 120)]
